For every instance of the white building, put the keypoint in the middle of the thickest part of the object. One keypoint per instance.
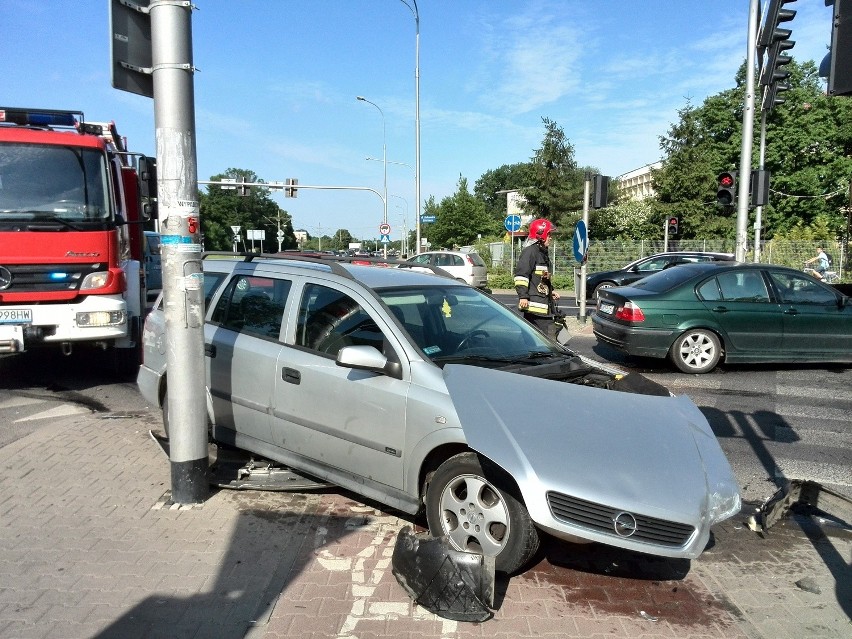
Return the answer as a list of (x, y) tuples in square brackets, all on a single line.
[(636, 184)]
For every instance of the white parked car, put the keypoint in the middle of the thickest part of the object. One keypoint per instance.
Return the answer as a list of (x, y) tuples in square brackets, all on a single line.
[(467, 267), (423, 393)]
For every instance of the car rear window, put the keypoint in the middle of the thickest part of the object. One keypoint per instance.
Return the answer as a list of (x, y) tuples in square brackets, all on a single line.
[(476, 259), (665, 280)]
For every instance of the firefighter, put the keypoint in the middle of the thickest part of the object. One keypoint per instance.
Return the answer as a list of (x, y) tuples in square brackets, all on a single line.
[(533, 277)]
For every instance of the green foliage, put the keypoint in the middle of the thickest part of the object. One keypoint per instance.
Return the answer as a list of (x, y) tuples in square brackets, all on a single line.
[(460, 219), (808, 152), (556, 192), (509, 177), (222, 208)]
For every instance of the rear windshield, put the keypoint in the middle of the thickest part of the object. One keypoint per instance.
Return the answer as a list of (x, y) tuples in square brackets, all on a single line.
[(476, 259), (665, 280)]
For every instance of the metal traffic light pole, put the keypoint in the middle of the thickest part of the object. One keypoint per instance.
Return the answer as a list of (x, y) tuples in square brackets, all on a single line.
[(748, 134), (180, 230)]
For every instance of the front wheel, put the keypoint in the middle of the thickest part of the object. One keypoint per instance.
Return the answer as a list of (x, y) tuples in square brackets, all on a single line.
[(472, 502), (696, 351)]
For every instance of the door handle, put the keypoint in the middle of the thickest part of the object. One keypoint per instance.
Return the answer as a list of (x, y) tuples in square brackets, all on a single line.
[(291, 375), (720, 309), (210, 350), (791, 311)]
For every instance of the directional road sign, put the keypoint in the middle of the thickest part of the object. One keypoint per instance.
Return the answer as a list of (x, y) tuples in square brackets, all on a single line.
[(427, 219), (581, 241)]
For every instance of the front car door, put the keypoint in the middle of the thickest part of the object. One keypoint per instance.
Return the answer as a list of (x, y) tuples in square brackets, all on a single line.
[(816, 325), (343, 422)]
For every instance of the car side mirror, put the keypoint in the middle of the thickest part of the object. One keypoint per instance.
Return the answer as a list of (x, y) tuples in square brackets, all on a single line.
[(367, 358)]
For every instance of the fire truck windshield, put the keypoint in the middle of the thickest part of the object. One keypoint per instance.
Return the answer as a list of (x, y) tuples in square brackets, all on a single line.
[(47, 183)]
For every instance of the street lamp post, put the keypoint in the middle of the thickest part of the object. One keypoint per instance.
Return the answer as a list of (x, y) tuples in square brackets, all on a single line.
[(384, 160), (413, 8)]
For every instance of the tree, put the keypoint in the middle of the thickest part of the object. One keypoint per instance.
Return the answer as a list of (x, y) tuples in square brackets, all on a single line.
[(223, 208), (557, 189), (491, 186), (808, 152), (460, 219)]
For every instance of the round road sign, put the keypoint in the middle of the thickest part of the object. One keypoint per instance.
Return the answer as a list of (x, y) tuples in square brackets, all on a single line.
[(384, 229)]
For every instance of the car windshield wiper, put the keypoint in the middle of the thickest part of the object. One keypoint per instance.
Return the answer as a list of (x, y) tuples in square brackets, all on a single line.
[(49, 222), (472, 358), (533, 355)]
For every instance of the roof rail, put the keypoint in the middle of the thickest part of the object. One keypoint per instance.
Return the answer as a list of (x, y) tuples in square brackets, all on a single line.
[(332, 261)]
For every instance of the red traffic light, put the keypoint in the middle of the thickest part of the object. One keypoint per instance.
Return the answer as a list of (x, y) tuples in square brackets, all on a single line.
[(727, 187), (672, 220)]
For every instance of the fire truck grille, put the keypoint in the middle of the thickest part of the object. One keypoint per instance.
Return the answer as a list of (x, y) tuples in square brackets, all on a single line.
[(45, 278)]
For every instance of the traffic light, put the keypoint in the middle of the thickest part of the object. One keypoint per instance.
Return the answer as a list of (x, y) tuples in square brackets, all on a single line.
[(759, 187), (673, 225), (290, 190), (774, 41), (242, 188), (836, 67), (600, 191), (726, 193)]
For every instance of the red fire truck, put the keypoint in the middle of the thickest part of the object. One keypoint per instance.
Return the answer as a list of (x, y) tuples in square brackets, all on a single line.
[(71, 235)]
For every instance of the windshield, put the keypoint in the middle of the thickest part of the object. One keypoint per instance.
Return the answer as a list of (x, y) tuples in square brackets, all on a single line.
[(455, 323), (45, 183)]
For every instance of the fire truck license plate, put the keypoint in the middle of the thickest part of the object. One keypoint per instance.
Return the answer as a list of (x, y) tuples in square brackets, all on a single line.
[(16, 315)]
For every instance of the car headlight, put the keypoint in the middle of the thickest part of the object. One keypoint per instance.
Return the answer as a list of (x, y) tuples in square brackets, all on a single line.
[(101, 318), (95, 280), (723, 502)]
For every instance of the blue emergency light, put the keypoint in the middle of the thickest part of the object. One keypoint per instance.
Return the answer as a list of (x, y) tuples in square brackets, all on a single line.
[(40, 117)]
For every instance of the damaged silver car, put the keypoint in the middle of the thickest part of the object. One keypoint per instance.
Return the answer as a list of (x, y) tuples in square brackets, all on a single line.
[(429, 395)]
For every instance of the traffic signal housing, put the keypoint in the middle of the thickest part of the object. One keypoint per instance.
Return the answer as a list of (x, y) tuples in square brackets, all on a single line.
[(674, 223), (836, 67), (726, 192), (290, 188), (774, 41), (600, 191)]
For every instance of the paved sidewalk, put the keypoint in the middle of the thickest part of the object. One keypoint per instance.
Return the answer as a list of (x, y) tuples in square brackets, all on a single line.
[(90, 547)]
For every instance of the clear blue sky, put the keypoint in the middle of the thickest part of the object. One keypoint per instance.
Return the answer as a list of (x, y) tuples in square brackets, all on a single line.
[(277, 81)]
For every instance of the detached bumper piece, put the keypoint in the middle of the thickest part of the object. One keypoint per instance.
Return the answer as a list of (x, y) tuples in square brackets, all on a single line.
[(801, 491), (452, 584)]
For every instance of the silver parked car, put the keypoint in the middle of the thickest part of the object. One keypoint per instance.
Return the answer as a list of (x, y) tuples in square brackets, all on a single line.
[(426, 394)]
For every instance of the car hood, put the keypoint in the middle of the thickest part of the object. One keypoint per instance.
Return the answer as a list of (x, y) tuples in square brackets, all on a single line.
[(653, 454)]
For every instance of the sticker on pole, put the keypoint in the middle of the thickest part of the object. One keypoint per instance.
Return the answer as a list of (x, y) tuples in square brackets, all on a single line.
[(581, 241)]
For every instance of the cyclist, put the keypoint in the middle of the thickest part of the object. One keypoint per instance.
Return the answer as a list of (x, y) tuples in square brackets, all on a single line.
[(821, 260)]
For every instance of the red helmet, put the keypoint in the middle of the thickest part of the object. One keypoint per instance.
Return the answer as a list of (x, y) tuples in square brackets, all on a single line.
[(540, 229)]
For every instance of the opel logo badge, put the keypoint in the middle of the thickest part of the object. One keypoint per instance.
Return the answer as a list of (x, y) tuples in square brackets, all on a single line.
[(5, 278), (624, 524)]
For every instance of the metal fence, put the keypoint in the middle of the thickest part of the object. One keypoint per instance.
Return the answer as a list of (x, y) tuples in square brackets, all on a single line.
[(608, 255)]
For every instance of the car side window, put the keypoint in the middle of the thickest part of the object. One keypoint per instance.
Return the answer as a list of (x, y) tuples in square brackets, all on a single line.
[(656, 264), (743, 286), (709, 290), (794, 289), (422, 259), (211, 285), (329, 320), (252, 305)]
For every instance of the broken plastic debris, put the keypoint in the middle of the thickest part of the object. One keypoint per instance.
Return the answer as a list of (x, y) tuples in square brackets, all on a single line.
[(645, 615)]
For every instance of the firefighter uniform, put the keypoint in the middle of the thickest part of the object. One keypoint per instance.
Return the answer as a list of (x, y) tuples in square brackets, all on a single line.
[(532, 282)]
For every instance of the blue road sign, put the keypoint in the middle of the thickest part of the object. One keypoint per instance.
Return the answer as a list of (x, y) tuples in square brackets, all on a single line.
[(581, 241), (427, 219), (512, 223), (385, 239)]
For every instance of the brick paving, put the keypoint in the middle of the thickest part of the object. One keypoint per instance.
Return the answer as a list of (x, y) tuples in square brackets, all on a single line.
[(90, 546)]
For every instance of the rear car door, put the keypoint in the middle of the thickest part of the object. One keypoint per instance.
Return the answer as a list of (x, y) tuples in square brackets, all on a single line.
[(740, 303), (344, 420), (241, 346), (815, 323)]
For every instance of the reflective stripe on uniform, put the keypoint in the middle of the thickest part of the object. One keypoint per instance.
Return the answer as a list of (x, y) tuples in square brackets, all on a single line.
[(520, 280), (538, 308)]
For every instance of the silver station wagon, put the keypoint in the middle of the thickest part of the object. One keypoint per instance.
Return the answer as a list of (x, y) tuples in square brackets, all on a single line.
[(426, 394)]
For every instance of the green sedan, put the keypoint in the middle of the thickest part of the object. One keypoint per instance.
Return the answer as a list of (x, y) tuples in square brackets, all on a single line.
[(700, 314)]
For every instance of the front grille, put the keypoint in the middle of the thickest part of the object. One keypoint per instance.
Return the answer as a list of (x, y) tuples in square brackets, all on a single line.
[(47, 278), (600, 518)]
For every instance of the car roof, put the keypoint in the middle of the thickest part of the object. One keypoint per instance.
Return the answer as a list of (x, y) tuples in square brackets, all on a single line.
[(378, 276)]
